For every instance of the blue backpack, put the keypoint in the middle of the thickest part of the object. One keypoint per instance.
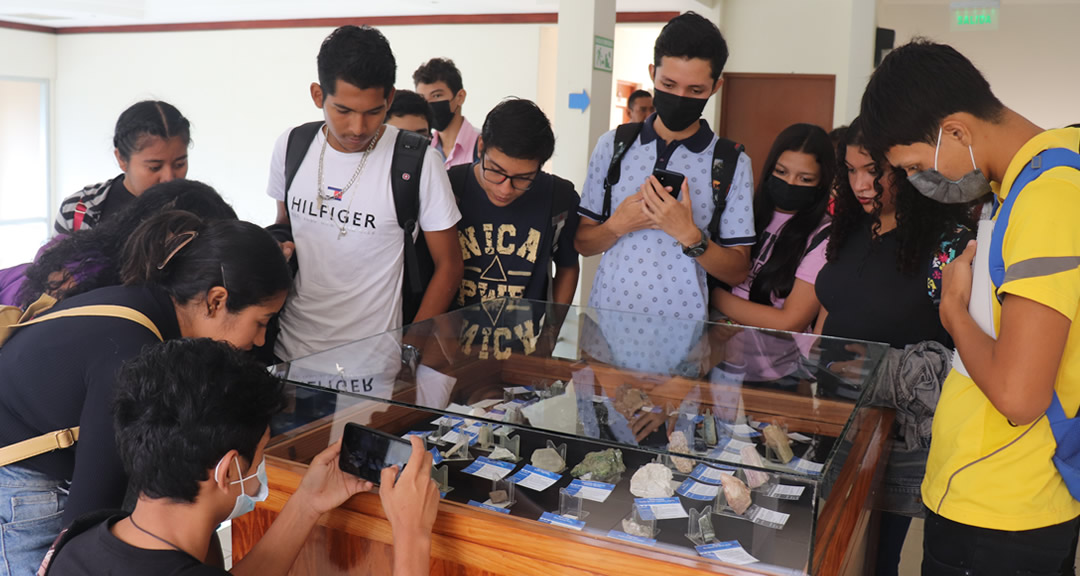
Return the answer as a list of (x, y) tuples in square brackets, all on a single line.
[(1066, 430)]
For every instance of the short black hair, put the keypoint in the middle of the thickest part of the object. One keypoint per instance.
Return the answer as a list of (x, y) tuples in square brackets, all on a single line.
[(691, 35), (635, 95), (149, 118), (409, 103), (359, 55), (181, 405), (439, 70), (915, 87), (520, 129)]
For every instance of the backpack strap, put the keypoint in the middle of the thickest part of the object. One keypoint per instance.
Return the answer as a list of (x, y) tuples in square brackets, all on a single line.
[(562, 206), (817, 239), (625, 135), (725, 161), (405, 170), (300, 139), (459, 177), (100, 310), (1042, 162)]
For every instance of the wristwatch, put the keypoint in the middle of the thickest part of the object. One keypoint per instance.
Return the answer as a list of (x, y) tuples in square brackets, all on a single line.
[(695, 250)]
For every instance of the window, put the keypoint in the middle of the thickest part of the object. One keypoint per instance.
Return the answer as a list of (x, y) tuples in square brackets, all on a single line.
[(25, 207)]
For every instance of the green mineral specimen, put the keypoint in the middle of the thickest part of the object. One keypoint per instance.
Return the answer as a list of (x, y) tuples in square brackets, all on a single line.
[(710, 430), (604, 466)]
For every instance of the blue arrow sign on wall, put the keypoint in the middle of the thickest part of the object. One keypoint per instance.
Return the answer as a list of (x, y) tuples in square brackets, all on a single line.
[(579, 101)]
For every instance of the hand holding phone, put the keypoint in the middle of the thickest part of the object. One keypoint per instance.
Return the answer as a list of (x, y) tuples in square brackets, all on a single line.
[(669, 179)]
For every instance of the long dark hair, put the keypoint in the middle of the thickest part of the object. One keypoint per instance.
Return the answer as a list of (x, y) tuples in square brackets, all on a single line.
[(777, 275), (89, 259), (148, 118), (187, 256), (921, 223)]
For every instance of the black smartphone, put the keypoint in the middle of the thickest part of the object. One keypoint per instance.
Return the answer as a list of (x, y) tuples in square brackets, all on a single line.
[(670, 179), (365, 452)]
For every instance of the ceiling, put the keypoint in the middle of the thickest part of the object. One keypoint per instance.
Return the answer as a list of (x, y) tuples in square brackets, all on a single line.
[(80, 13)]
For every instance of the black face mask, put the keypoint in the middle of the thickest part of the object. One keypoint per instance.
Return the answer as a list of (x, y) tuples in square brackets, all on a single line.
[(441, 111), (787, 197), (677, 112)]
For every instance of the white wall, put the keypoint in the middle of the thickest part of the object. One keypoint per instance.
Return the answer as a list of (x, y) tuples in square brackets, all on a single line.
[(804, 37), (633, 54), (1030, 61), (27, 54), (242, 88)]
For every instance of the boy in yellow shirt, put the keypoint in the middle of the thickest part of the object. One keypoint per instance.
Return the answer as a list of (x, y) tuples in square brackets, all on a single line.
[(996, 502)]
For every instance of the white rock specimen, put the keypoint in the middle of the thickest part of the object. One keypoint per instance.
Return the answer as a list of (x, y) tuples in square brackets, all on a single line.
[(500, 453), (548, 459), (634, 529), (557, 414), (651, 481), (677, 443), (778, 441), (736, 493), (750, 457)]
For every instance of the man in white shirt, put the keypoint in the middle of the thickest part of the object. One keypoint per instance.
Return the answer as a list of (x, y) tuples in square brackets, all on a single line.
[(340, 206)]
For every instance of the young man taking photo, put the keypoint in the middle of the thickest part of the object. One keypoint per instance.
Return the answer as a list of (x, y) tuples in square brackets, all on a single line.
[(192, 423), (997, 503), (439, 82), (340, 204)]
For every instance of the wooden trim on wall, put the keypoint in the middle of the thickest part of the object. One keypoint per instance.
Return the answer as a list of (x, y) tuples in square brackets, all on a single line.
[(26, 27), (527, 18)]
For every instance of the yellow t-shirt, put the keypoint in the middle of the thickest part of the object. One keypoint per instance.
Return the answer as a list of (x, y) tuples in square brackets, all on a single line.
[(983, 471)]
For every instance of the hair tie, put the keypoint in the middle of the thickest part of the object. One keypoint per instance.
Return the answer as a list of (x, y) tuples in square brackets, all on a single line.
[(186, 238)]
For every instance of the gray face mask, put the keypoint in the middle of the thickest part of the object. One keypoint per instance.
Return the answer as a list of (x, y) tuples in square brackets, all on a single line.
[(935, 186)]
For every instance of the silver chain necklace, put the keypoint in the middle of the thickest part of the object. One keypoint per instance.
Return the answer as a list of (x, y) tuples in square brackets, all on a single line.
[(321, 195)]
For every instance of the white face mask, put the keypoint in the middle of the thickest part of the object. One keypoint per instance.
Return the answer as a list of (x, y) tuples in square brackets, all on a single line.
[(245, 503)]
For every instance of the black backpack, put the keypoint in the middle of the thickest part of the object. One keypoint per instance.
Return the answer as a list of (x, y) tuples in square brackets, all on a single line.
[(562, 207), (405, 171)]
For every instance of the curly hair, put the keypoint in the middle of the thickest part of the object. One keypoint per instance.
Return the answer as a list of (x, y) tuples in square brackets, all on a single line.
[(921, 223), (90, 259)]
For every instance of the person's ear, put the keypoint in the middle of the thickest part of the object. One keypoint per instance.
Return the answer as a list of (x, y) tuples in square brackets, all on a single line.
[(216, 298), (317, 94), (954, 126), (652, 74), (460, 97), (390, 97), (224, 468), (479, 146), (120, 160), (716, 86)]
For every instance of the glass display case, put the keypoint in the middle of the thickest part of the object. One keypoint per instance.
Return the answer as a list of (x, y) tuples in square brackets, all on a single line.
[(704, 445)]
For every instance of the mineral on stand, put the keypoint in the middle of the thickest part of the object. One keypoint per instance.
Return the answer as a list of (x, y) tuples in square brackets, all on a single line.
[(652, 481), (603, 466)]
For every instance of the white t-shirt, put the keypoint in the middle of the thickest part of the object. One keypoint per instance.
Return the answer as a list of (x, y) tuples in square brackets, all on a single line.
[(349, 286)]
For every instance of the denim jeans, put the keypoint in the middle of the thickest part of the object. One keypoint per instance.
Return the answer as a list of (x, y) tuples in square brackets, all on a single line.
[(955, 549), (31, 516)]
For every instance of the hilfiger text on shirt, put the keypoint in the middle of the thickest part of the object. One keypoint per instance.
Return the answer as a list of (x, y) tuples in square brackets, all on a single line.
[(331, 213)]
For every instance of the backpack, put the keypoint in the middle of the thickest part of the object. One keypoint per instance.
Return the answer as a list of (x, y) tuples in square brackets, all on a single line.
[(562, 194), (405, 170), (1066, 430), (13, 318)]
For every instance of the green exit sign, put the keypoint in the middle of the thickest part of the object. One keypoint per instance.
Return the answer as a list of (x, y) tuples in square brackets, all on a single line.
[(974, 16)]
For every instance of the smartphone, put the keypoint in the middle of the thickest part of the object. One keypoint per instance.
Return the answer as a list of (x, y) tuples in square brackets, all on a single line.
[(670, 179), (365, 452)]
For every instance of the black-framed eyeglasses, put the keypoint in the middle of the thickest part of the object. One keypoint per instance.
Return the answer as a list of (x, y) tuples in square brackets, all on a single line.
[(519, 183)]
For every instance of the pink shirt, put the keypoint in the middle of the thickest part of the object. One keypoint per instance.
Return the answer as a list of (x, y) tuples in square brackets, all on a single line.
[(462, 153), (808, 269)]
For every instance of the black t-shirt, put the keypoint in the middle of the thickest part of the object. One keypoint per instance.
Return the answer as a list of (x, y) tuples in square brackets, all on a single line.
[(868, 298), (505, 248), (62, 373), (116, 200), (97, 552)]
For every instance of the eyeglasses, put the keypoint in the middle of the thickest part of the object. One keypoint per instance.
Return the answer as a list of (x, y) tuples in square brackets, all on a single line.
[(519, 183)]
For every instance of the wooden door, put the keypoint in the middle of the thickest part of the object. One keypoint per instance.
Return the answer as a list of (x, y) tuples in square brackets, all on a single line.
[(754, 108)]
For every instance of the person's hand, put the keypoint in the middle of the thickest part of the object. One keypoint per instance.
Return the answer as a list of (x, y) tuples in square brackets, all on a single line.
[(324, 486), (674, 216), (851, 369), (956, 282), (412, 501), (645, 423), (288, 248), (630, 216)]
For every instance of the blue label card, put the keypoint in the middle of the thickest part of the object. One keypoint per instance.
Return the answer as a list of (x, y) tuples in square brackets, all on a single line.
[(419, 433), (785, 492), (490, 469), (436, 456), (697, 490), (731, 552), (806, 466), (616, 534), (710, 474), (535, 478), (743, 430), (595, 491), (488, 507), (561, 521), (454, 436), (660, 508), (735, 445), (452, 420)]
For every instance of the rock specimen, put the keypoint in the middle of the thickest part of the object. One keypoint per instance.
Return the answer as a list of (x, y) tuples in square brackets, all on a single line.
[(709, 430), (634, 529), (736, 493), (652, 481), (750, 457), (629, 400), (677, 443), (777, 440), (499, 497), (500, 453), (603, 466), (548, 459), (557, 414)]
